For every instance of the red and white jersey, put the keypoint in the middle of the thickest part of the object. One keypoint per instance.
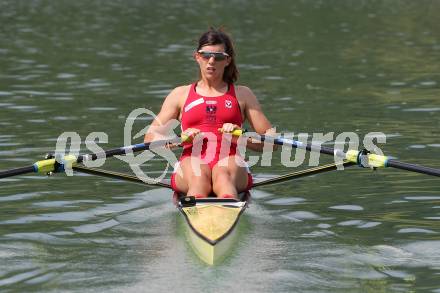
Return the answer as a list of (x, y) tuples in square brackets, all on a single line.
[(209, 114)]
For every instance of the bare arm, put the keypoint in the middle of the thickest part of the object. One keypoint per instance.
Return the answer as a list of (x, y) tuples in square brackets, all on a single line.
[(255, 116), (170, 110)]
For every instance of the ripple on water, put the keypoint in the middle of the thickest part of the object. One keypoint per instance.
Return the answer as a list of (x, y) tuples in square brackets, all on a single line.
[(102, 109), (60, 98), (273, 77), (399, 275), (64, 118), (317, 234), (285, 201), (359, 224), (24, 108), (66, 75), (426, 252), (347, 207), (428, 83), (97, 227), (397, 83), (64, 203), (416, 230), (52, 217), (38, 237), (299, 216), (36, 121), (20, 277), (434, 109), (428, 198), (95, 83), (26, 196), (158, 93), (432, 218)]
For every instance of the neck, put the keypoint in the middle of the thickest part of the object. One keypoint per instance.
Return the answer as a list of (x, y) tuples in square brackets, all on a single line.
[(211, 84)]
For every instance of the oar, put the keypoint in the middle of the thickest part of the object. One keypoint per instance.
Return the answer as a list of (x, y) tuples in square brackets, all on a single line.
[(361, 158), (51, 165), (118, 175), (302, 173)]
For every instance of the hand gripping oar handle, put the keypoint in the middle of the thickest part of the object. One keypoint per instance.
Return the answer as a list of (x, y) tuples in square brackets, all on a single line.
[(188, 139)]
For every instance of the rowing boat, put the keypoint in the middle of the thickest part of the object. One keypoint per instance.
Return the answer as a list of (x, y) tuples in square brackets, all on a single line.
[(211, 223)]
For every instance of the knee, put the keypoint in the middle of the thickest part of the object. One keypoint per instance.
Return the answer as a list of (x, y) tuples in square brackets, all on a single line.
[(222, 178), (202, 182)]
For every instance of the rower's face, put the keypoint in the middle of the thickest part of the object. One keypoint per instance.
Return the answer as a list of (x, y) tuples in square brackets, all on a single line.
[(212, 65)]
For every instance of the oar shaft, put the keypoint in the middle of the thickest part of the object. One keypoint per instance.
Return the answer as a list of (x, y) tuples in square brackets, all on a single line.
[(17, 171), (124, 150), (371, 160), (413, 167)]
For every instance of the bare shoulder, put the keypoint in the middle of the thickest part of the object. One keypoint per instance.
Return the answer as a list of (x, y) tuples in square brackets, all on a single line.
[(180, 91), (246, 96), (178, 95), (244, 92)]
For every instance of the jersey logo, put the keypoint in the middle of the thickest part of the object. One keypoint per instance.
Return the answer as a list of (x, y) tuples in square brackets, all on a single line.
[(211, 109), (210, 113), (228, 104)]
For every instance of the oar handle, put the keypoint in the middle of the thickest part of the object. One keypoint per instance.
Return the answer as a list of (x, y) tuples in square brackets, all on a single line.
[(236, 132)]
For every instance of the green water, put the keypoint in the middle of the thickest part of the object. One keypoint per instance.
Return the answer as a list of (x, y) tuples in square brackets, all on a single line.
[(316, 66)]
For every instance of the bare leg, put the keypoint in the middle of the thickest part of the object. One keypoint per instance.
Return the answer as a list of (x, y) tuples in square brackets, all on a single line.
[(194, 183), (228, 177)]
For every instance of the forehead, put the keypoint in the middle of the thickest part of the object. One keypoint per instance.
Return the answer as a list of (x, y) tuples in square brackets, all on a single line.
[(214, 48)]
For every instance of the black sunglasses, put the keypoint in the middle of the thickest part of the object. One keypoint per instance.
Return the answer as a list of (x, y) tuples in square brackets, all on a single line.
[(218, 56)]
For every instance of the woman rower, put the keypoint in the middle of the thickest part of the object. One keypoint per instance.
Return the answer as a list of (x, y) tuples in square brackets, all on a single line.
[(207, 109)]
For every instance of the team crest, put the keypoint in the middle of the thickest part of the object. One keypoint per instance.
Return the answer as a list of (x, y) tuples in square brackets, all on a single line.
[(228, 104), (211, 109)]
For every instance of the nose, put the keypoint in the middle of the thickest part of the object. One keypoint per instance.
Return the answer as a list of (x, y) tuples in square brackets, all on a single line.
[(211, 59)]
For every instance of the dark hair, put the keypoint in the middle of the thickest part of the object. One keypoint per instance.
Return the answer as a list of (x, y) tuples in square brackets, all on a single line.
[(215, 37)]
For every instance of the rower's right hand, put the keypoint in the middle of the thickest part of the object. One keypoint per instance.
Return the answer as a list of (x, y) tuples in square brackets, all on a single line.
[(189, 134)]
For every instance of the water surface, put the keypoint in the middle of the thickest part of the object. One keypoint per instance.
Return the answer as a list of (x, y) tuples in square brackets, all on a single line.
[(316, 66)]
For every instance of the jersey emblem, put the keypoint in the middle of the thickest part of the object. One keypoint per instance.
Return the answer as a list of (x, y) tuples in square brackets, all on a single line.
[(228, 104), (211, 109)]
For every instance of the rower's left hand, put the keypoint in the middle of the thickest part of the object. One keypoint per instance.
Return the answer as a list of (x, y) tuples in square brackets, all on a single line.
[(228, 128)]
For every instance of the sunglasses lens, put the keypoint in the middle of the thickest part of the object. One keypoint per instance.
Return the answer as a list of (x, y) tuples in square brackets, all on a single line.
[(218, 56)]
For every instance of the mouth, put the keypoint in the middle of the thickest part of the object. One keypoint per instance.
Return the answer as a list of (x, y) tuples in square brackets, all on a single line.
[(210, 69)]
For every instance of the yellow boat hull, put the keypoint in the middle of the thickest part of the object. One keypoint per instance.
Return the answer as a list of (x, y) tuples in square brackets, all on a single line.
[(211, 225)]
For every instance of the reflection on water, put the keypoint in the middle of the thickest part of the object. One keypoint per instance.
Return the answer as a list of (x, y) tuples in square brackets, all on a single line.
[(316, 66)]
